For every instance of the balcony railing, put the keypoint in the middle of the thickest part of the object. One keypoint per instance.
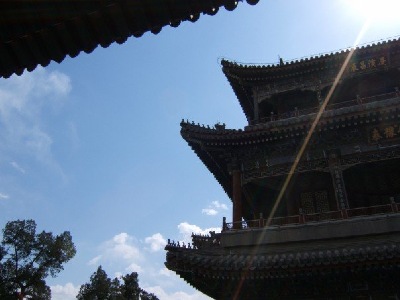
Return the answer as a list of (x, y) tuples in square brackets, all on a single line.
[(316, 217), (199, 241), (213, 239), (373, 210), (302, 112)]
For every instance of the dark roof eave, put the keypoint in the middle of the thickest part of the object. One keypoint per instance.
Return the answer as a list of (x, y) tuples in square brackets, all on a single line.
[(220, 173), (36, 32), (288, 66)]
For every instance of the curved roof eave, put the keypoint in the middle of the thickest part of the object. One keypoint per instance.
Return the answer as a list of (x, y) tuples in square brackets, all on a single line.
[(242, 77), (36, 32), (212, 165)]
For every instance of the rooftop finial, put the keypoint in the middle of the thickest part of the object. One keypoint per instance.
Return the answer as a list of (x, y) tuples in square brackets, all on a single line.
[(280, 61), (220, 126)]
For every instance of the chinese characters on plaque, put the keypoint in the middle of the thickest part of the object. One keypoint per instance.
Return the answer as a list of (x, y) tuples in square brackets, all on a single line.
[(368, 64), (384, 133)]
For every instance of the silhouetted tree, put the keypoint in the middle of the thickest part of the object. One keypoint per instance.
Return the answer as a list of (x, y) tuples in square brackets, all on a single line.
[(27, 258), (146, 296), (130, 288), (101, 287)]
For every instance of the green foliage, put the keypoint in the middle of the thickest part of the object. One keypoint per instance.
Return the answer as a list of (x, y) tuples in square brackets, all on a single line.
[(101, 287), (27, 258), (146, 296), (130, 288)]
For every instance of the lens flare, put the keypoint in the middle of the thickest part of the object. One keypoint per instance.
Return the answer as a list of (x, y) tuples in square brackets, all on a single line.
[(376, 11)]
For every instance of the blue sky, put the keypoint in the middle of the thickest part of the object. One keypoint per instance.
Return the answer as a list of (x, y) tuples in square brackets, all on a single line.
[(92, 145)]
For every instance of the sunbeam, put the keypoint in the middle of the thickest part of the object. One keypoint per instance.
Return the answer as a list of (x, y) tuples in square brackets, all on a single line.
[(300, 154)]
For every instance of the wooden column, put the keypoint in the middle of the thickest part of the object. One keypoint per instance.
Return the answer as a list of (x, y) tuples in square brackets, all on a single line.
[(237, 199), (336, 171)]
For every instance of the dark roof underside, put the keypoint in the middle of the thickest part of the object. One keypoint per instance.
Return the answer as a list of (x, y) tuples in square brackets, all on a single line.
[(218, 274), (36, 32)]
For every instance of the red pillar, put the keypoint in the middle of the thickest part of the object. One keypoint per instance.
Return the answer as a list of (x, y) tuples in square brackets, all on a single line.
[(237, 199)]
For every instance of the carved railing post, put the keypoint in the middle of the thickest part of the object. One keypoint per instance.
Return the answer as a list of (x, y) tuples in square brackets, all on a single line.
[(261, 221), (394, 205), (344, 213), (302, 218)]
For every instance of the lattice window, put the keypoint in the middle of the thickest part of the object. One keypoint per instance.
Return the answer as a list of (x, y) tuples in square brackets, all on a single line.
[(314, 202), (307, 202), (321, 201)]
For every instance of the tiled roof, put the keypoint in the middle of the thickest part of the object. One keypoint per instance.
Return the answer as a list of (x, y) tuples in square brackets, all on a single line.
[(268, 259), (242, 77), (264, 132), (219, 274), (36, 32), (280, 264), (307, 61), (209, 143)]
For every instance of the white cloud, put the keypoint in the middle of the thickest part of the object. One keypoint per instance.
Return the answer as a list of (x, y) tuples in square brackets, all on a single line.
[(122, 246), (120, 252), (209, 211), (4, 196), (59, 82), (186, 230), (73, 135), (17, 167), (121, 238), (64, 292), (214, 208), (156, 241), (134, 268), (26, 95), (94, 260), (165, 272), (23, 102), (162, 294), (216, 204)]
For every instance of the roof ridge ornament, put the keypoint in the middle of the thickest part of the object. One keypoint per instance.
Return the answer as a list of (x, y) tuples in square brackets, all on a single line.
[(225, 62), (219, 126)]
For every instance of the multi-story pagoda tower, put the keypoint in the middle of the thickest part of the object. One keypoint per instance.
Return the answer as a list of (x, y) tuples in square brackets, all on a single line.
[(314, 179)]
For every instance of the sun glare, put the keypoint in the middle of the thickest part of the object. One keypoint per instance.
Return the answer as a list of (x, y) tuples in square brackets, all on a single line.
[(377, 11)]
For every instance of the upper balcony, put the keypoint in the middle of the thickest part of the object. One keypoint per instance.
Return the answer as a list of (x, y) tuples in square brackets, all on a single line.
[(350, 224), (353, 223), (359, 103), (303, 218)]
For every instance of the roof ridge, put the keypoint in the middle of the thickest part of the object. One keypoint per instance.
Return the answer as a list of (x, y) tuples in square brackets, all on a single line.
[(227, 62)]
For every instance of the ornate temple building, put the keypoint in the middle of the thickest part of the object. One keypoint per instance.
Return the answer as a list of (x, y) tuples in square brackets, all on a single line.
[(314, 179)]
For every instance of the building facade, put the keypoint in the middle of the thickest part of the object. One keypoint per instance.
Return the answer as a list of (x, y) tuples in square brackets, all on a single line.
[(314, 179)]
